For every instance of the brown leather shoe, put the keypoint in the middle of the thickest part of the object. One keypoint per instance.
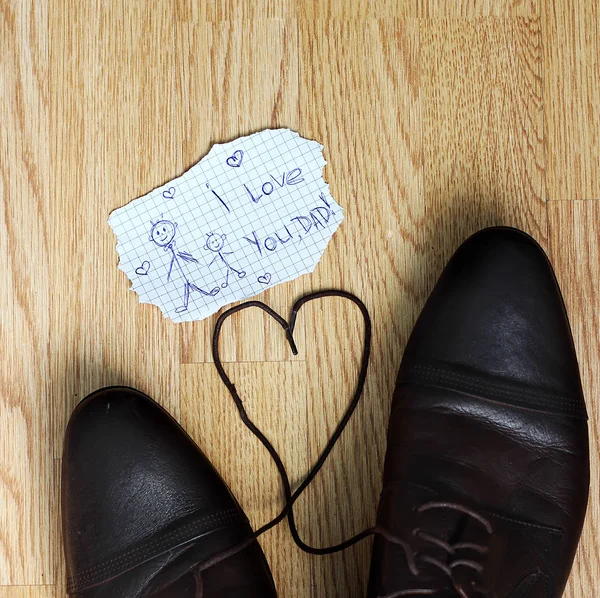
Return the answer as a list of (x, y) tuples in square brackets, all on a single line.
[(487, 467), (143, 509)]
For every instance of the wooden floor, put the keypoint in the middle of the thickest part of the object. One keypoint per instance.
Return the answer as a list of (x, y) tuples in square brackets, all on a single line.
[(438, 117)]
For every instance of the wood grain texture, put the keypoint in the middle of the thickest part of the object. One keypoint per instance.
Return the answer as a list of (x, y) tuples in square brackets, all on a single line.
[(482, 129), (114, 137), (244, 10), (474, 9), (28, 592), (437, 119), (575, 253), (26, 481), (571, 93)]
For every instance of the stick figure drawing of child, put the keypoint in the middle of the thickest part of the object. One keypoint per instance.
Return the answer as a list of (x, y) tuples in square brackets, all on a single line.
[(216, 243), (162, 234)]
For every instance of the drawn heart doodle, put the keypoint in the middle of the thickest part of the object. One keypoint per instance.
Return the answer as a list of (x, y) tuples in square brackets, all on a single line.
[(169, 193), (235, 159), (143, 269), (265, 278)]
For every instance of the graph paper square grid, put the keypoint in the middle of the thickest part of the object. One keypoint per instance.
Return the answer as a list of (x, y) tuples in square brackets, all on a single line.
[(253, 213)]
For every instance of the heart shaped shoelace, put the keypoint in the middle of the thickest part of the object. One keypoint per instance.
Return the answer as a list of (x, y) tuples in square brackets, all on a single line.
[(412, 558)]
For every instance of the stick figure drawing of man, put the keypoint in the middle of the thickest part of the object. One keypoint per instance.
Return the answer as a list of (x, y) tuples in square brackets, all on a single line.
[(216, 244), (162, 234)]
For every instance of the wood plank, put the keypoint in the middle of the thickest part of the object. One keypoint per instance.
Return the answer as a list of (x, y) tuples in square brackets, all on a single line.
[(29, 592), (482, 131), (475, 9), (571, 92), (274, 396), (575, 253), (112, 75), (365, 108), (249, 10), (26, 482), (247, 89)]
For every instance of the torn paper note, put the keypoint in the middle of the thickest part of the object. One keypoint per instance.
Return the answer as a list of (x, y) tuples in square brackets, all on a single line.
[(252, 214)]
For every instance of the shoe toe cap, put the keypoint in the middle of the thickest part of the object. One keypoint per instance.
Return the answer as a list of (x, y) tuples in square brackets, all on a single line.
[(497, 315), (131, 474)]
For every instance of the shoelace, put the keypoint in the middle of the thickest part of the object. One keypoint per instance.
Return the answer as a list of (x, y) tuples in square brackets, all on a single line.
[(292, 497), (450, 549)]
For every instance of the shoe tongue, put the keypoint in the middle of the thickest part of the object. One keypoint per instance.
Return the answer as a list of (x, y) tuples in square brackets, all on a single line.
[(525, 578), (538, 547), (400, 509), (461, 531)]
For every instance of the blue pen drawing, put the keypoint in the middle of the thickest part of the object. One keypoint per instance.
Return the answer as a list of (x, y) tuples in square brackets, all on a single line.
[(218, 197), (163, 234), (143, 269), (235, 159), (313, 220), (253, 213), (216, 244), (288, 178)]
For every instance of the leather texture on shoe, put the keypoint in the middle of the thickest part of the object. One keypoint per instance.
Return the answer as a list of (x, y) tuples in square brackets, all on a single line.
[(143, 508), (488, 413)]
